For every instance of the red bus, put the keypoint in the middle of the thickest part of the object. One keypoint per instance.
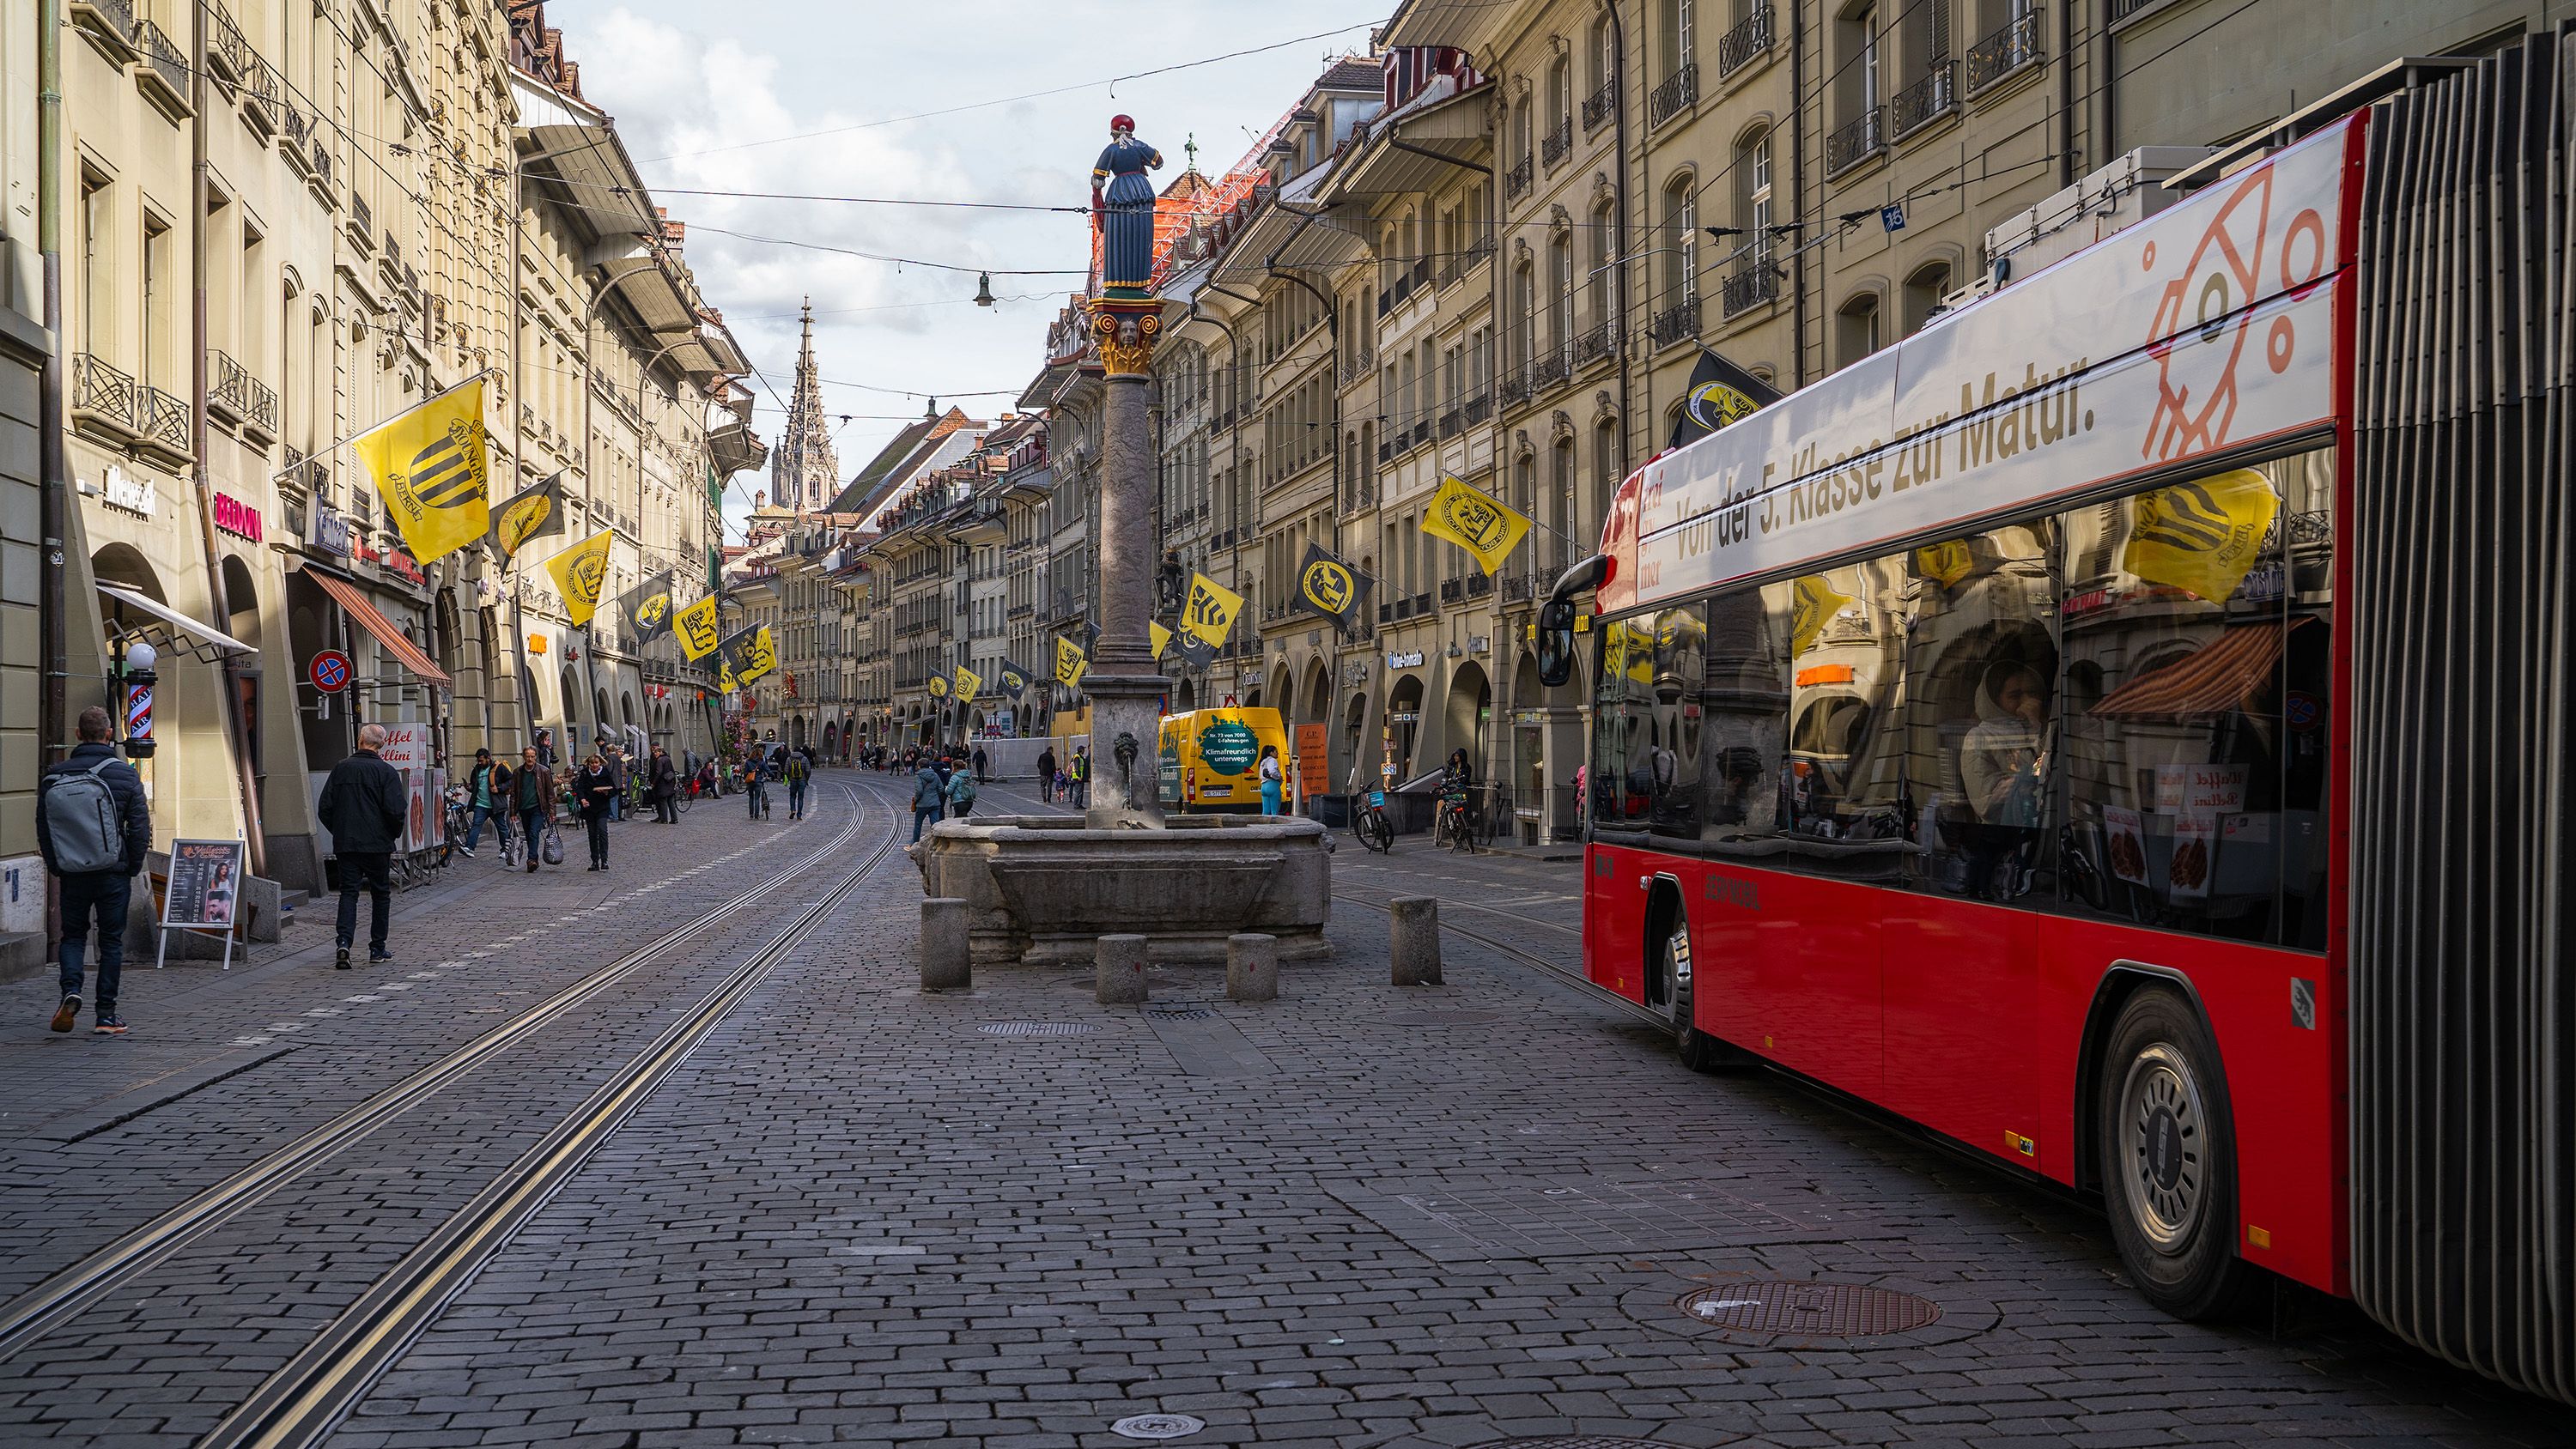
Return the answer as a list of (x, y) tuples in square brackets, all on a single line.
[(2015, 729)]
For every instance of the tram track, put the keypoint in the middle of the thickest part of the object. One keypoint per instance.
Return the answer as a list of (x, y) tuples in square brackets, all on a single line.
[(304, 1401), (71, 1291), (1592, 990)]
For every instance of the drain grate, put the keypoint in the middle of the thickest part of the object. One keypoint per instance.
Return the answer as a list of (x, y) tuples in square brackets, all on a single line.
[(1441, 1018), (1039, 1028), (1820, 1310), (1181, 1011), (1574, 1441), (1157, 1426)]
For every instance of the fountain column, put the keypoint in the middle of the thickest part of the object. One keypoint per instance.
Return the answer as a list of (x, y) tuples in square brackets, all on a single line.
[(1126, 692)]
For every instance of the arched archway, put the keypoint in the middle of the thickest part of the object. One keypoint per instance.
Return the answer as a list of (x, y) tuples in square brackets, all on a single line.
[(571, 700), (1469, 710), (1404, 716), (124, 565), (1186, 698), (241, 597)]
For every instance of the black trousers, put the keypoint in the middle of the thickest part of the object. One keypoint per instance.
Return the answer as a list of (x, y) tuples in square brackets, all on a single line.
[(666, 810), (598, 838), (374, 871)]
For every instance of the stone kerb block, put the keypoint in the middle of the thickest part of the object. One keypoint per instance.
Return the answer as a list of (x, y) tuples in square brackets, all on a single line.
[(1414, 929), (947, 964), (1120, 970), (1251, 967)]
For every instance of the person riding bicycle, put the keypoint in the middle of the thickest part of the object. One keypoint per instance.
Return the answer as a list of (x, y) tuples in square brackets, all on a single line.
[(1457, 786)]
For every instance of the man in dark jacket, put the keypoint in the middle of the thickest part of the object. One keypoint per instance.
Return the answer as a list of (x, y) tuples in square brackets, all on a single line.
[(487, 788), (98, 895), (365, 805), (664, 781), (1046, 773)]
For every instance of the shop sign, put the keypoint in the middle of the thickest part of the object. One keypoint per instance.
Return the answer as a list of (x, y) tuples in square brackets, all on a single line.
[(134, 495), (1529, 717), (403, 566), (1410, 659), (1406, 716), (536, 643), (331, 531), (236, 517)]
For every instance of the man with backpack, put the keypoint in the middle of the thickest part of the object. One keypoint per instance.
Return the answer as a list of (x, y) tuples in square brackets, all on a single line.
[(799, 774), (365, 805), (961, 793), (929, 798), (94, 830)]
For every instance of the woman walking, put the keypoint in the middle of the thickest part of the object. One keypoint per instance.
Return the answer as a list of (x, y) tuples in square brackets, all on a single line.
[(1270, 780), (531, 795), (595, 791)]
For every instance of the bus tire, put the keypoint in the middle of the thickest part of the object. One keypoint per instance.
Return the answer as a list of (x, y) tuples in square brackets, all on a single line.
[(1697, 1049), (2168, 1160)]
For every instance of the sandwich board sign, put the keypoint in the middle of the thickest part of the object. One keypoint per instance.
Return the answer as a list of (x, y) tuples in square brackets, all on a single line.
[(204, 895)]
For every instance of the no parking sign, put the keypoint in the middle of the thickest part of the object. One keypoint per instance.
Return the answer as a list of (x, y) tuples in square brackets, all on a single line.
[(330, 671)]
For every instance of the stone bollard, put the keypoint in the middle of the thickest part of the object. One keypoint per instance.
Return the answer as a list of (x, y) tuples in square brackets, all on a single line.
[(1251, 967), (946, 963), (1414, 929), (1120, 964)]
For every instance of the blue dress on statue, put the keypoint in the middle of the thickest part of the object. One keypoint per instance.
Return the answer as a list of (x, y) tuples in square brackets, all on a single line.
[(1127, 221)]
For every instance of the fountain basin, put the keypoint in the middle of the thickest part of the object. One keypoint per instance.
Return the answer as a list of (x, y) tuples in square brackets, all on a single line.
[(1042, 889)]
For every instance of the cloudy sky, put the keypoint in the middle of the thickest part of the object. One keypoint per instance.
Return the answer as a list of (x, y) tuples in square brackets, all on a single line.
[(703, 96)]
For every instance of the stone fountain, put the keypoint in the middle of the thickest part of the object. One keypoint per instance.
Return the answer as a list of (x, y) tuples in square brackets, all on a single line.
[(1041, 889)]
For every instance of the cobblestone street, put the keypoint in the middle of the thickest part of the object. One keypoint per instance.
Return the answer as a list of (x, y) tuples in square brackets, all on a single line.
[(857, 1213)]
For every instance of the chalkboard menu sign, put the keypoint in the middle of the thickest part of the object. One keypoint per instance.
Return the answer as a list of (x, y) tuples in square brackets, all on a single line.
[(205, 883)]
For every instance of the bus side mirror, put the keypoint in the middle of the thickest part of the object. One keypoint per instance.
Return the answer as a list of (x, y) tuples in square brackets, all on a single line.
[(1555, 642)]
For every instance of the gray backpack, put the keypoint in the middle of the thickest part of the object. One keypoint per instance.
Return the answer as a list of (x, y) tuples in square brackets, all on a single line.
[(82, 818)]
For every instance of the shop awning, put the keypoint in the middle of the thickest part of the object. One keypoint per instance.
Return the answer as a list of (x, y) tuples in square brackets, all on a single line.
[(369, 618), (2213, 679), (170, 631)]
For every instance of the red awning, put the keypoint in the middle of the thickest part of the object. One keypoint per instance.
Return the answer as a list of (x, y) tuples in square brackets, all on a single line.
[(2212, 679), (374, 622)]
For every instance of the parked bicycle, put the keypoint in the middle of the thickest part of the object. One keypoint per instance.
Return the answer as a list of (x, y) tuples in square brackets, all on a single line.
[(1373, 827), (1456, 823)]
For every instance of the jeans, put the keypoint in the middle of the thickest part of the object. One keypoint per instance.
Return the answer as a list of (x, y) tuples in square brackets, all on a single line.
[(99, 898), (617, 805), (532, 829), (372, 869), (795, 799), (758, 796), (500, 819), (921, 813), (598, 838)]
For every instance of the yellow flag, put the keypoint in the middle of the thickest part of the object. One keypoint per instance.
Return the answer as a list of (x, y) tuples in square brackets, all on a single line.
[(938, 686), (699, 628), (1210, 611), (758, 658), (1069, 662), (1474, 522), (1162, 637), (429, 466), (724, 676), (969, 683), (578, 572), (1812, 602), (2202, 536)]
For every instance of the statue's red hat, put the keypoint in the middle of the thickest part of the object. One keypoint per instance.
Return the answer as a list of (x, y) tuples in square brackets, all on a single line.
[(1122, 123)]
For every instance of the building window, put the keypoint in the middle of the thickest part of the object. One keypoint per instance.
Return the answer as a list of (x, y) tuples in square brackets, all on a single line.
[(1923, 293), (1681, 254), (1858, 324)]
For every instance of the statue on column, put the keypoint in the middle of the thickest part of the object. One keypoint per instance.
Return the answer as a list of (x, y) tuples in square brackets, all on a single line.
[(1122, 200)]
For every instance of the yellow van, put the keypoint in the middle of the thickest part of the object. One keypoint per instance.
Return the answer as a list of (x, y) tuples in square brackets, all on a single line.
[(1210, 761)]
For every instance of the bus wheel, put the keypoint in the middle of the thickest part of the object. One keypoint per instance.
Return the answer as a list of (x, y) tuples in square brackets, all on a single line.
[(2169, 1161), (1698, 1050)]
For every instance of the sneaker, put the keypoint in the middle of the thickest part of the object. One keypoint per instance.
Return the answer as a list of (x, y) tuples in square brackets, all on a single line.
[(380, 958), (343, 963), (469, 851), (67, 1014), (108, 1026)]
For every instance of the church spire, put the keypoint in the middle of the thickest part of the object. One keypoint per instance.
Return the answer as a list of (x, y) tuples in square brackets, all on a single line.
[(804, 475)]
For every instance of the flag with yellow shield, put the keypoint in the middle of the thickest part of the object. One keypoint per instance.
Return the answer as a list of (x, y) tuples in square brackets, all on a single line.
[(1069, 662), (428, 465), (1161, 637), (701, 628), (937, 684), (2204, 536), (750, 654), (530, 514), (578, 572), (644, 611), (1475, 523), (1333, 589), (969, 683)]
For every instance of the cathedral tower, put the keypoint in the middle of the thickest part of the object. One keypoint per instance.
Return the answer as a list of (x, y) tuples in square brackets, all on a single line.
[(803, 475)]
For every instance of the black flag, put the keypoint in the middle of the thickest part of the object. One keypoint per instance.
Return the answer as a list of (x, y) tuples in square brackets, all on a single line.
[(645, 610), (1720, 392), (1333, 589), (1015, 680)]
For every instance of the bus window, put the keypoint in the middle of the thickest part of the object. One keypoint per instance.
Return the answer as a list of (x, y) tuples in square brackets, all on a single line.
[(1648, 724), (2196, 631), (1982, 713)]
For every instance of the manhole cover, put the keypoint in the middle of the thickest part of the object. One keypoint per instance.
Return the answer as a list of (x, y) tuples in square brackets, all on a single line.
[(1830, 1310), (1157, 1426), (1038, 1028), (1441, 1018)]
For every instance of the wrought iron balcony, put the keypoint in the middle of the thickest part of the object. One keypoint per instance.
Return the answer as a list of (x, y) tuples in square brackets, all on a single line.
[(362, 222), (1677, 323), (229, 57), (1598, 341), (2006, 52), (1449, 423), (1858, 139), (231, 389), (1927, 100), (168, 62), (1553, 370), (1749, 288), (163, 420), (1598, 106), (1422, 603), (1517, 180), (1748, 40), (1403, 609), (1553, 146), (102, 392), (1514, 387), (1674, 96), (321, 159), (1479, 584), (111, 20), (1385, 451), (1479, 408), (1517, 587), (1452, 590)]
